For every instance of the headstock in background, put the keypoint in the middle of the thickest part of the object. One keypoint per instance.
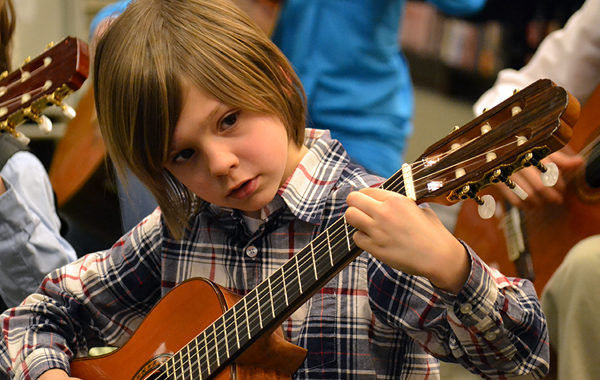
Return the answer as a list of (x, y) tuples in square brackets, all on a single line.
[(516, 133), (41, 82)]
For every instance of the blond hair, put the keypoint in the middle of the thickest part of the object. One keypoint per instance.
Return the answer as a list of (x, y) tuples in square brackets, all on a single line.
[(140, 63)]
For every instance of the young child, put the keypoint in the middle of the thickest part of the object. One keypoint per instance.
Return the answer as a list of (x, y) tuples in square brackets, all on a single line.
[(201, 106)]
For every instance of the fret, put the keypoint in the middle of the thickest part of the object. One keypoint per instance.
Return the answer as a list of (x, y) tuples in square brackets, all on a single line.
[(271, 297), (284, 285), (347, 234), (278, 288), (314, 263), (247, 319), (264, 297), (205, 345), (260, 320), (178, 368), (226, 334), (198, 356), (237, 330), (292, 286), (189, 361), (329, 246), (306, 262), (168, 371), (298, 273), (216, 346)]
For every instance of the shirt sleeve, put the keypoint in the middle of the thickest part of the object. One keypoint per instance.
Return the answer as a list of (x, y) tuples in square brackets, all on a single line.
[(569, 56), (493, 327), (30, 242), (98, 300)]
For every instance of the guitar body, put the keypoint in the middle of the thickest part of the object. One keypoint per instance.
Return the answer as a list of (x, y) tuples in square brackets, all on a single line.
[(182, 314), (551, 230)]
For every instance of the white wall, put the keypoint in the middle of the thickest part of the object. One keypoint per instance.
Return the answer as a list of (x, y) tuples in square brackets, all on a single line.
[(39, 22)]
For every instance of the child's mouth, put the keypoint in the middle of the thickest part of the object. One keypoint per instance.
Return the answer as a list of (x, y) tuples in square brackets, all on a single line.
[(245, 189)]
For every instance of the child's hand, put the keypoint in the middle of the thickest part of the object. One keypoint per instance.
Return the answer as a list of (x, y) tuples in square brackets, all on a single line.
[(56, 374), (408, 238)]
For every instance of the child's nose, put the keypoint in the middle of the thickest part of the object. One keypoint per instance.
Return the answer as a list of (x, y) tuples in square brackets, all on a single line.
[(220, 160)]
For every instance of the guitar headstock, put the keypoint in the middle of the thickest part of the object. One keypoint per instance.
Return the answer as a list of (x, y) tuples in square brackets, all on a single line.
[(40, 82), (516, 133)]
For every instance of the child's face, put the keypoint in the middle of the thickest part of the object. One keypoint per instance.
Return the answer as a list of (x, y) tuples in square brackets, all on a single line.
[(229, 157)]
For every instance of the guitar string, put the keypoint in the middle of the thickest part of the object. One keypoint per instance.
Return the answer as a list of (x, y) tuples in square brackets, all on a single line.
[(307, 259)]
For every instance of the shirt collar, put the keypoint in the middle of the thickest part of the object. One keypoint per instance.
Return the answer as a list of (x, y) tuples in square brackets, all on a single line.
[(308, 188)]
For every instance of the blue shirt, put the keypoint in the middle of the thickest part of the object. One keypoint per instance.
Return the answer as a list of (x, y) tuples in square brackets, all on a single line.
[(369, 322), (30, 240), (347, 55)]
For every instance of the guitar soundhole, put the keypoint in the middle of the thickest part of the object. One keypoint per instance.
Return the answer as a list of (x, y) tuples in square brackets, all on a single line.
[(150, 370)]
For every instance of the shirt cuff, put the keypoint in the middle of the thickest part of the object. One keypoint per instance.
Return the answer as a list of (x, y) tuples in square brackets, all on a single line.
[(40, 361)]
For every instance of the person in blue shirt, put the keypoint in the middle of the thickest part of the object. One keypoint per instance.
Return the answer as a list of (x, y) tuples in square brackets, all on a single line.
[(358, 84), (30, 241)]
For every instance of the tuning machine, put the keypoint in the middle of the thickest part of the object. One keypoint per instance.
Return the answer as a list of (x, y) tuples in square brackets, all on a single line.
[(42, 121), (499, 176), (486, 204), (549, 172)]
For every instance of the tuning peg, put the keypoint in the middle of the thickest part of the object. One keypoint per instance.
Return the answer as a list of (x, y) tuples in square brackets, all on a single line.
[(516, 189), (22, 138), (486, 206), (68, 111), (498, 176), (42, 121), (550, 174), (549, 171)]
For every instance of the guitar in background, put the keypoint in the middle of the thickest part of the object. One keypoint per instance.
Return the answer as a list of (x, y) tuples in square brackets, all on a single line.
[(224, 336), (42, 82), (531, 243)]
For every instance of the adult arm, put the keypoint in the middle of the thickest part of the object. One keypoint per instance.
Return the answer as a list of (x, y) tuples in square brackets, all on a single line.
[(569, 56), (30, 242)]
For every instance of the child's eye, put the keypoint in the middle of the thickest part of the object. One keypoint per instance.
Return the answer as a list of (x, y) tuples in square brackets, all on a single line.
[(184, 155), (229, 120)]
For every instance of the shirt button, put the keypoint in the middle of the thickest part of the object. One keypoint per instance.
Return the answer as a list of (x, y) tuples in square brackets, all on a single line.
[(252, 251), (465, 308), (490, 335)]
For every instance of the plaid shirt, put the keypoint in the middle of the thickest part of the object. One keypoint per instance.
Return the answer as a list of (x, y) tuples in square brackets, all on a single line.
[(368, 322)]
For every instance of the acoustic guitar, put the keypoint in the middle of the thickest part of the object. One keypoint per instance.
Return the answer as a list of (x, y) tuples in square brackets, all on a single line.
[(42, 82), (223, 337), (531, 243)]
